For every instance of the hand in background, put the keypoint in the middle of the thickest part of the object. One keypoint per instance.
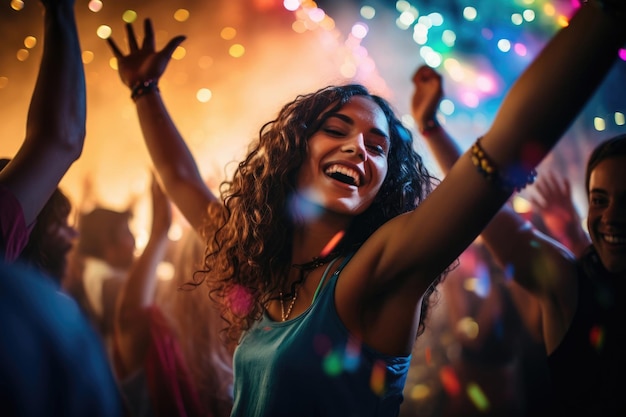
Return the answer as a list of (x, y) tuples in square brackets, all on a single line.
[(427, 95), (554, 204)]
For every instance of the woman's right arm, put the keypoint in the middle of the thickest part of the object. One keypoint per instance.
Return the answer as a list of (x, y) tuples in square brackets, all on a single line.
[(176, 167)]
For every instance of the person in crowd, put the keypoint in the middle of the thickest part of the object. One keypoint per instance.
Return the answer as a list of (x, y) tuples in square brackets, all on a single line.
[(203, 345), (491, 341), (579, 300), (325, 246), (54, 133), (51, 361), (51, 238), (151, 362), (106, 251)]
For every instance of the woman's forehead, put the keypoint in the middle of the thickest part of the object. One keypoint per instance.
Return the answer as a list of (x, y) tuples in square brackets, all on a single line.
[(365, 109)]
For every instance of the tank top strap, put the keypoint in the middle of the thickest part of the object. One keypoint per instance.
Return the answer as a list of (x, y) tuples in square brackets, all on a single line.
[(319, 286)]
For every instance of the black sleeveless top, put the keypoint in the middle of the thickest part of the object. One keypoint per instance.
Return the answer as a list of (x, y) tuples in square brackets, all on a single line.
[(588, 368)]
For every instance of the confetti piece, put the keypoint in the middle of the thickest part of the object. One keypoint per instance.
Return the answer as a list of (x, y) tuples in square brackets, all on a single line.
[(450, 381), (596, 337), (331, 244), (377, 381), (477, 396)]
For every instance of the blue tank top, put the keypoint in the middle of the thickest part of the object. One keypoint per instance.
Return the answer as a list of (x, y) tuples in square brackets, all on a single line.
[(312, 366)]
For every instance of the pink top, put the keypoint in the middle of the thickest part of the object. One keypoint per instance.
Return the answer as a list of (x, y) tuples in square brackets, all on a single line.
[(170, 386), (13, 230)]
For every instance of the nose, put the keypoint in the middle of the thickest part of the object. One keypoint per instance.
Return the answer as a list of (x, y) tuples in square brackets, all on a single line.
[(356, 146)]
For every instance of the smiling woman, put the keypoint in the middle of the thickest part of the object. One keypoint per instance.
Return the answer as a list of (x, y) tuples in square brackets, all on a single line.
[(351, 147), (337, 340)]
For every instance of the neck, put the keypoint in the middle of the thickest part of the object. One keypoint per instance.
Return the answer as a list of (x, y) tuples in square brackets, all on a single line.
[(317, 239)]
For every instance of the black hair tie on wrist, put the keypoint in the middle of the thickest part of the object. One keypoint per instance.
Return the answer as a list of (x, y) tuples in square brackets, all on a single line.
[(144, 87)]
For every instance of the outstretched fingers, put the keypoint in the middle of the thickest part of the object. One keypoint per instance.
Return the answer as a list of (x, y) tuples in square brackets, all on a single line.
[(116, 51), (148, 39), (132, 39), (173, 44)]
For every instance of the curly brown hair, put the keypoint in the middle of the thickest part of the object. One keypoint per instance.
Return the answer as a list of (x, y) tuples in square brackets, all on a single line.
[(249, 250)]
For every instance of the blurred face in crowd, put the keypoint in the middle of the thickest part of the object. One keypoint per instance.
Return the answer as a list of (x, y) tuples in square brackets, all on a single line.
[(606, 218)]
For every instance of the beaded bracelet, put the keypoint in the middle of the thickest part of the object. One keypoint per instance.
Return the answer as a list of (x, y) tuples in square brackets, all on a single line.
[(144, 87), (513, 180), (429, 127)]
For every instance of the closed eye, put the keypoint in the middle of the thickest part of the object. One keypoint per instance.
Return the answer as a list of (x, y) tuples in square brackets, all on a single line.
[(377, 149), (333, 132)]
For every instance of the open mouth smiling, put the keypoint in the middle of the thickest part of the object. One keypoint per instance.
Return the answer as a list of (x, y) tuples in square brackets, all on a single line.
[(613, 239), (343, 174)]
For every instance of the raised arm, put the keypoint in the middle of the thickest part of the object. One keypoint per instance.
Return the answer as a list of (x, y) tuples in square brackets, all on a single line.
[(131, 324), (55, 127), (555, 206), (534, 114), (513, 242), (141, 70)]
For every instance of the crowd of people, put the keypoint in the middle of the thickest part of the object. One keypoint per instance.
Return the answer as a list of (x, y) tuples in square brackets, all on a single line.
[(308, 284)]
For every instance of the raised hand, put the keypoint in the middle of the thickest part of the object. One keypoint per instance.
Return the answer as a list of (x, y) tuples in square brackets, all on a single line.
[(427, 95), (553, 202), (145, 63)]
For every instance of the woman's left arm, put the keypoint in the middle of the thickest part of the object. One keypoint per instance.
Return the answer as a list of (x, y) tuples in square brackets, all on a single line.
[(534, 115)]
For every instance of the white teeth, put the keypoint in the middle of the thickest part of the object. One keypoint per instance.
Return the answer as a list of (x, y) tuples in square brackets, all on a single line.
[(345, 171), (614, 239)]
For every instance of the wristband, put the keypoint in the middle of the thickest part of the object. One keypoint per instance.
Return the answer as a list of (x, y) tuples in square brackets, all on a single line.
[(429, 127), (144, 87)]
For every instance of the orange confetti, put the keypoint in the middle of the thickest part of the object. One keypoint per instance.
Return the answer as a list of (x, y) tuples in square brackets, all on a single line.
[(450, 381), (331, 244), (428, 355), (377, 380)]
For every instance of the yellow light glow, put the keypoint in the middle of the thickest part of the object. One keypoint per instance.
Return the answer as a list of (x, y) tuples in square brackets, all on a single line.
[(129, 16), (179, 53), (22, 55), (237, 50), (87, 57), (228, 33), (30, 42), (17, 4), (181, 15)]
